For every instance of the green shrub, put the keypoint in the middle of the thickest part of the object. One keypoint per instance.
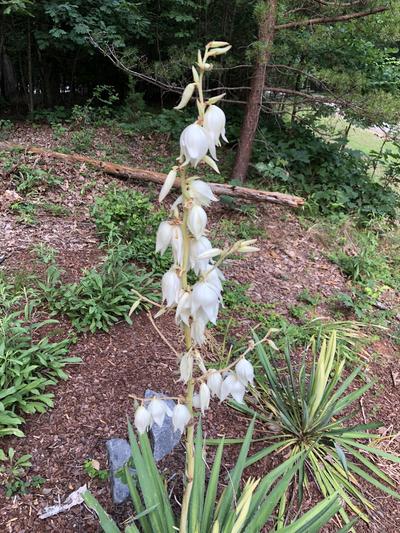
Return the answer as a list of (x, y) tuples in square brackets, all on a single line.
[(127, 219), (6, 127), (102, 297), (333, 179), (310, 417), (28, 364)]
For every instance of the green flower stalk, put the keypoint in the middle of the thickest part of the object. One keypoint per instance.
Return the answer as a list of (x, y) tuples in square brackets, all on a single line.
[(195, 306)]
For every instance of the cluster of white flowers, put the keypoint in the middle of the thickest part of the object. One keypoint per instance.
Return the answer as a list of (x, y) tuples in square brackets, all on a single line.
[(155, 413), (213, 383), (191, 249)]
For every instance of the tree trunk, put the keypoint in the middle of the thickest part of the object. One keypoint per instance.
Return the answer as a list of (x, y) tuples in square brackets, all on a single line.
[(250, 123), (30, 77)]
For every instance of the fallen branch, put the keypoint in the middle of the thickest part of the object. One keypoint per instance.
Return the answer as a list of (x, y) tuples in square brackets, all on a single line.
[(126, 172)]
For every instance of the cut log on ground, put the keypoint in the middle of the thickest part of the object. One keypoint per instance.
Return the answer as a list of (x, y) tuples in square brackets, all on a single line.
[(127, 173)]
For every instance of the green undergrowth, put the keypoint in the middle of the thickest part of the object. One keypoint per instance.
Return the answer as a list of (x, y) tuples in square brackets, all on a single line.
[(30, 362)]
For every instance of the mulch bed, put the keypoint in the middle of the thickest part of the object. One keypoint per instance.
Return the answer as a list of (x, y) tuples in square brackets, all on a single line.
[(93, 405)]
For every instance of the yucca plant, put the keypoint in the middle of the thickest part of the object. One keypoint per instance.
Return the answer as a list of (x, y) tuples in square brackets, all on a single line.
[(237, 509), (310, 415)]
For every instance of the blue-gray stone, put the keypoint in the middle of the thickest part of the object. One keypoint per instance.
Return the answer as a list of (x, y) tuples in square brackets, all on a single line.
[(164, 438), (119, 453)]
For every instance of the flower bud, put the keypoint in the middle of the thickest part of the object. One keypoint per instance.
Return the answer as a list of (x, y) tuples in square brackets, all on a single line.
[(168, 183), (195, 75), (219, 51), (186, 96), (245, 247), (217, 44), (142, 419), (245, 372), (215, 99), (210, 253), (211, 163), (214, 382), (197, 221), (180, 417), (204, 397)]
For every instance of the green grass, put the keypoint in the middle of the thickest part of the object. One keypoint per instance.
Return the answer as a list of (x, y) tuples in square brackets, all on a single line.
[(358, 138)]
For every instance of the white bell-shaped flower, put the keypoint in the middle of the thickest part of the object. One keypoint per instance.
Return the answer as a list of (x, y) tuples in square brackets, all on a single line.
[(180, 417), (142, 419), (205, 298), (158, 409), (204, 397), (214, 382), (214, 123), (197, 221), (171, 287), (184, 308), (200, 191), (196, 400), (214, 277), (232, 386), (245, 372), (164, 236), (194, 143), (186, 367), (177, 243), (198, 247), (198, 327)]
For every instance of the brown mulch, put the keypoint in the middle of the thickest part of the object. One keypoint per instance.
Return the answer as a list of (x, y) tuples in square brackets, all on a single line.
[(92, 406)]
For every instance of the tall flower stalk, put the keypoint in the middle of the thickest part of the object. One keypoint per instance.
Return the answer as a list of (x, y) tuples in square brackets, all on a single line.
[(195, 306)]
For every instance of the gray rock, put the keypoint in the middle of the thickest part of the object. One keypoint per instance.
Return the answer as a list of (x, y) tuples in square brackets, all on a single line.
[(164, 438), (119, 452)]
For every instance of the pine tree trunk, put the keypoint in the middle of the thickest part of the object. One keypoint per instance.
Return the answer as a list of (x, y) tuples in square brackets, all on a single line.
[(250, 123), (30, 77)]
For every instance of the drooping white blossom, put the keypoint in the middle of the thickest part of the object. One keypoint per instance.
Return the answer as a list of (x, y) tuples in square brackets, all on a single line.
[(214, 123), (232, 386), (158, 409), (180, 417), (245, 372), (142, 419), (171, 287), (168, 183), (186, 367), (214, 277), (198, 327), (177, 243), (196, 400), (184, 308), (205, 298), (200, 191), (164, 236), (197, 221), (214, 382), (194, 143), (198, 247), (204, 397)]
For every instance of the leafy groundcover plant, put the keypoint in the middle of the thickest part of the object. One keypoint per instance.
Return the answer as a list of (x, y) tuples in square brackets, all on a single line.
[(241, 506), (311, 411)]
